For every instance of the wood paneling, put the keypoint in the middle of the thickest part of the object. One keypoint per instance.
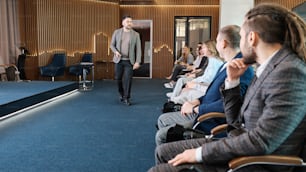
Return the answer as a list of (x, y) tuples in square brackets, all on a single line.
[(78, 26), (162, 62), (70, 26), (169, 2), (31, 69), (103, 58)]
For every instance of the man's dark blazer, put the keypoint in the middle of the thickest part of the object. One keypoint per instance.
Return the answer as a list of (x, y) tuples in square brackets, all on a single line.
[(212, 100), (273, 113)]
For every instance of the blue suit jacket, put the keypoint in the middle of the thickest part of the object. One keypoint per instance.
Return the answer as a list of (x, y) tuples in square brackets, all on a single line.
[(212, 101)]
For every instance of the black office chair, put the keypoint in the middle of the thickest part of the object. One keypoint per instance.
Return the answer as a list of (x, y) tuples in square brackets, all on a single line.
[(56, 67), (11, 73), (79, 70)]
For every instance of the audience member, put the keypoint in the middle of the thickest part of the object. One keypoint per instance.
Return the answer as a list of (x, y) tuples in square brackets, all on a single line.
[(196, 69), (196, 63), (202, 55), (182, 63), (271, 117), (198, 86), (228, 48)]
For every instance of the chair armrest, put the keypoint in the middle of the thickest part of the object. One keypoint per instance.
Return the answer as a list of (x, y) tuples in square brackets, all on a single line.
[(219, 129), (240, 162), (8, 65), (208, 116)]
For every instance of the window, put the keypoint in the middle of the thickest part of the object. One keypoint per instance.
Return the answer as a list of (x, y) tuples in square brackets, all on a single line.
[(301, 10), (190, 31)]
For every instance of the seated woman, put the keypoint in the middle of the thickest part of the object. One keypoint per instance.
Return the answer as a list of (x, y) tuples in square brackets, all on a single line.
[(195, 88), (199, 65), (182, 63)]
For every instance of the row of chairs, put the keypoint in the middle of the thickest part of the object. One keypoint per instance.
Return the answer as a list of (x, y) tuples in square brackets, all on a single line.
[(58, 65)]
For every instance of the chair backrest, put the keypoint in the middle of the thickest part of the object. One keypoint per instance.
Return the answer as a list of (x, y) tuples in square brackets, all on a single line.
[(87, 57), (303, 154), (11, 73), (59, 59)]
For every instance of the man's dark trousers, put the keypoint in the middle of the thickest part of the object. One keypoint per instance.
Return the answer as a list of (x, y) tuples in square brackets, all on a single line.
[(124, 75)]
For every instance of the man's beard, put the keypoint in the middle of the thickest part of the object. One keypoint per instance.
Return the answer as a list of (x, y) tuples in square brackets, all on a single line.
[(250, 57)]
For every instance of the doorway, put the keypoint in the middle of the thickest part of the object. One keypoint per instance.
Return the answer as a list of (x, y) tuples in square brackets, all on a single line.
[(144, 28)]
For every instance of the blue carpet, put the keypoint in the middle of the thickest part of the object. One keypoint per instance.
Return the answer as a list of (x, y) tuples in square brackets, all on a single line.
[(11, 91), (88, 132)]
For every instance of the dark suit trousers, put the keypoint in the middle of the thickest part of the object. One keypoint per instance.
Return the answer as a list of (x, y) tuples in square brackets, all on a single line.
[(124, 75), (167, 151)]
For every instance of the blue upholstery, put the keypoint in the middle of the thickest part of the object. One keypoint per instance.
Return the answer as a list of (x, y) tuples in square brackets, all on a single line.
[(56, 67), (77, 69)]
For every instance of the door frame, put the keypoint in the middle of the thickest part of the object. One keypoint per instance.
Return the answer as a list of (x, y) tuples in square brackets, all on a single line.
[(146, 24)]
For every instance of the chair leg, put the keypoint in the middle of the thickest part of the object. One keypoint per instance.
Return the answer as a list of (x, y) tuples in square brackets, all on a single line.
[(84, 74), (3, 77), (17, 77)]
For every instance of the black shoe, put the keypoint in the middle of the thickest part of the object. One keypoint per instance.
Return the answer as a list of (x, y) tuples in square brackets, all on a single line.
[(127, 102), (121, 99)]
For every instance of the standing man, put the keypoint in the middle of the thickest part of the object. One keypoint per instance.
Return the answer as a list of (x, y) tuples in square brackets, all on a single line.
[(126, 46)]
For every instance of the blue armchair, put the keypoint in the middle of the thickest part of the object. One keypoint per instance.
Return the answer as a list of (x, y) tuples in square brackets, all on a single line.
[(56, 67), (78, 69)]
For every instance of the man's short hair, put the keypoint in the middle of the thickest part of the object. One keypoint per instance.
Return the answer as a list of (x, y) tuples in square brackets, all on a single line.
[(126, 16)]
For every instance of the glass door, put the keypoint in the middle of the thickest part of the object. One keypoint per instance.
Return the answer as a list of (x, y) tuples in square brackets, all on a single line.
[(190, 31)]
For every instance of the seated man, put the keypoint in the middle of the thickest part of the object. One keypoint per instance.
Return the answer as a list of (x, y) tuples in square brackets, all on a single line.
[(228, 48), (271, 118)]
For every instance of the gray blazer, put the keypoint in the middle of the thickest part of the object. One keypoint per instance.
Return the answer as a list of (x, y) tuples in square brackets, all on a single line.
[(134, 44), (273, 113)]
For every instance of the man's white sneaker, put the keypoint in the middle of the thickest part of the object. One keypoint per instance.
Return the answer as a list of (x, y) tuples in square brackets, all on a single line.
[(169, 94), (168, 85)]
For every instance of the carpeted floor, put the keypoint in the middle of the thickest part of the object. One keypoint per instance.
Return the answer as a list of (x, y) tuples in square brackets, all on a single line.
[(11, 91), (88, 132)]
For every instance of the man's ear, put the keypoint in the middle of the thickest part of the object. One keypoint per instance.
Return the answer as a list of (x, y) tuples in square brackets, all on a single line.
[(224, 43), (253, 38)]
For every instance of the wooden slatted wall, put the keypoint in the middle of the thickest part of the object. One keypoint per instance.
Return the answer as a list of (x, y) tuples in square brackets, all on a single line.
[(76, 26)]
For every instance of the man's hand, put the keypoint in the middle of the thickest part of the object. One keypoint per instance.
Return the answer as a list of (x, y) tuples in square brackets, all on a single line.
[(136, 66), (191, 75), (187, 108), (117, 54), (190, 84), (188, 156), (235, 69)]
